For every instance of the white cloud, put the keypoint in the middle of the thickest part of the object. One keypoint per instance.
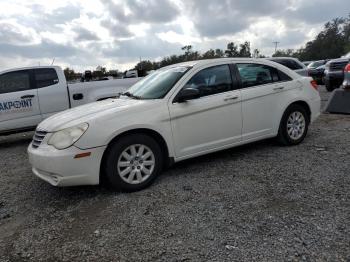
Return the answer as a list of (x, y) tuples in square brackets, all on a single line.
[(115, 33)]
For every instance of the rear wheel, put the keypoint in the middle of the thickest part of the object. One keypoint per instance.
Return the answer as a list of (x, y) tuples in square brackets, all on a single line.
[(133, 162), (294, 125), (329, 86)]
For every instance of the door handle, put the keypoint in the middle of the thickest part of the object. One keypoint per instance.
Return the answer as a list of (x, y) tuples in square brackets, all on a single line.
[(78, 96), (27, 96), (231, 98), (278, 88)]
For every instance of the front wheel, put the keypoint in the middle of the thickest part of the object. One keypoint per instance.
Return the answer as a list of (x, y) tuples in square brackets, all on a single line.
[(133, 162), (294, 125)]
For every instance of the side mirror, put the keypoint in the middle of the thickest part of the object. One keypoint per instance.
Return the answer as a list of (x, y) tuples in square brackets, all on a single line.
[(187, 93)]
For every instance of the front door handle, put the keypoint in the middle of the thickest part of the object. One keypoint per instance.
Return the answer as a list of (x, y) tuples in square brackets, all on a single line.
[(231, 98), (27, 96), (278, 88)]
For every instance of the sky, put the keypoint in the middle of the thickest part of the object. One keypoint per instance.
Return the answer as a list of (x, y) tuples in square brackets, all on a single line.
[(83, 34)]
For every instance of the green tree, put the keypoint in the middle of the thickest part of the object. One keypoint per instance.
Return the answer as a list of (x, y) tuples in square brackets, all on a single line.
[(332, 42), (69, 74), (285, 53), (219, 53), (232, 50), (145, 65), (244, 50), (209, 54)]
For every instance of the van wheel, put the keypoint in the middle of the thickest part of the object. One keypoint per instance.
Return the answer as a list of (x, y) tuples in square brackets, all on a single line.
[(133, 162), (294, 125)]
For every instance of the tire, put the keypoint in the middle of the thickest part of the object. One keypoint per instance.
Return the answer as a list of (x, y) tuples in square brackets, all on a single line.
[(125, 166), (293, 133), (329, 86)]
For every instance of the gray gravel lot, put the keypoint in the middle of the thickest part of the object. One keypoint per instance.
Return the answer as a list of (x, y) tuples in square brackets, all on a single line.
[(259, 202)]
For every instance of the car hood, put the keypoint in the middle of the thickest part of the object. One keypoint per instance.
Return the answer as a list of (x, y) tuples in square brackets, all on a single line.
[(86, 113)]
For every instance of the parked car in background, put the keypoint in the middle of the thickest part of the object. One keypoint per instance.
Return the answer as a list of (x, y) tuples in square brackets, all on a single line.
[(29, 95), (346, 83), (86, 76), (292, 63), (175, 113), (334, 72), (316, 70), (306, 63), (318, 63)]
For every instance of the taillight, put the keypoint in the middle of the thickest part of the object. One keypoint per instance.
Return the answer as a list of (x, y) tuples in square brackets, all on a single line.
[(347, 68), (314, 84)]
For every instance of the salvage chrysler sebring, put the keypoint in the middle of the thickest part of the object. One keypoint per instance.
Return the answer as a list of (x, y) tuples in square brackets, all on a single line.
[(176, 113)]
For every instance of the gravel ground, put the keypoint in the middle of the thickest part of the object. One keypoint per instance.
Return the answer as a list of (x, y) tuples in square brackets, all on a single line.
[(259, 202)]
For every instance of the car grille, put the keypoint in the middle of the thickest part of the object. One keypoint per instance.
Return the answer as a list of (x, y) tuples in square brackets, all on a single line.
[(338, 66), (38, 138)]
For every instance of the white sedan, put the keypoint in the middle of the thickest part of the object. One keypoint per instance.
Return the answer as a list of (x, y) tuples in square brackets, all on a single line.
[(176, 113)]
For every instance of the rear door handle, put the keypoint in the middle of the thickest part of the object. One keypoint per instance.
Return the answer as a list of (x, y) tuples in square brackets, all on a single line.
[(278, 88), (27, 96), (231, 98), (78, 96)]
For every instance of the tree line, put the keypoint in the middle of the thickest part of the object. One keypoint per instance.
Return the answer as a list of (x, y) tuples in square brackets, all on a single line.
[(232, 50), (332, 42)]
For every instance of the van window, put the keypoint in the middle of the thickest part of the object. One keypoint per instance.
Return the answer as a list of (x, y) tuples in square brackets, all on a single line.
[(15, 81), (45, 77)]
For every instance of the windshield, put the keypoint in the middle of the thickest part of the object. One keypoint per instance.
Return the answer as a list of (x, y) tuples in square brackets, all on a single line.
[(347, 55), (157, 84)]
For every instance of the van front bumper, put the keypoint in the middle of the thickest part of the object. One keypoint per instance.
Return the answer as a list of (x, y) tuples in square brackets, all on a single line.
[(61, 168)]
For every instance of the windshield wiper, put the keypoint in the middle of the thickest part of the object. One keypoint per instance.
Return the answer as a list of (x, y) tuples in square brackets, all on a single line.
[(128, 94)]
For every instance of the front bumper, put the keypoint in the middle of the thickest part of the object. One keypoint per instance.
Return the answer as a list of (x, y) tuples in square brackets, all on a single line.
[(60, 168)]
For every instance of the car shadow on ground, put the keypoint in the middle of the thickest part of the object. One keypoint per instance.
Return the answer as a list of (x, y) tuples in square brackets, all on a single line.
[(62, 195), (15, 140), (227, 153)]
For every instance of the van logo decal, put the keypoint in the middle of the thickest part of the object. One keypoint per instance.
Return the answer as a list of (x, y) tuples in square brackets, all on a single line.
[(16, 106)]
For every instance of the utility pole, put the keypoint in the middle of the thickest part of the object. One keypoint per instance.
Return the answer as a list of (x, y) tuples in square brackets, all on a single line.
[(276, 44)]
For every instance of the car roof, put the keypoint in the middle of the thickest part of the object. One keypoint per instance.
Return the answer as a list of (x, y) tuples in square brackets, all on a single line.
[(199, 63), (218, 61), (283, 58), (27, 68)]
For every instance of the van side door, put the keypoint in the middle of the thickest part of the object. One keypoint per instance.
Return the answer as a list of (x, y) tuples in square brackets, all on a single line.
[(19, 102)]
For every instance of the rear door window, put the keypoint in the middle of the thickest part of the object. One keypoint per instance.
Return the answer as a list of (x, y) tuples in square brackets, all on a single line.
[(258, 74), (15, 82), (45, 77), (255, 74)]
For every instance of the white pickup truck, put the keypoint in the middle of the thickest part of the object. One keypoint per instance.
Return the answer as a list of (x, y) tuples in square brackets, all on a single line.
[(29, 95)]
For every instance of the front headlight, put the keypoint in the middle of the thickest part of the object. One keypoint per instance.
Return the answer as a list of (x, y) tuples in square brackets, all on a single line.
[(67, 137)]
